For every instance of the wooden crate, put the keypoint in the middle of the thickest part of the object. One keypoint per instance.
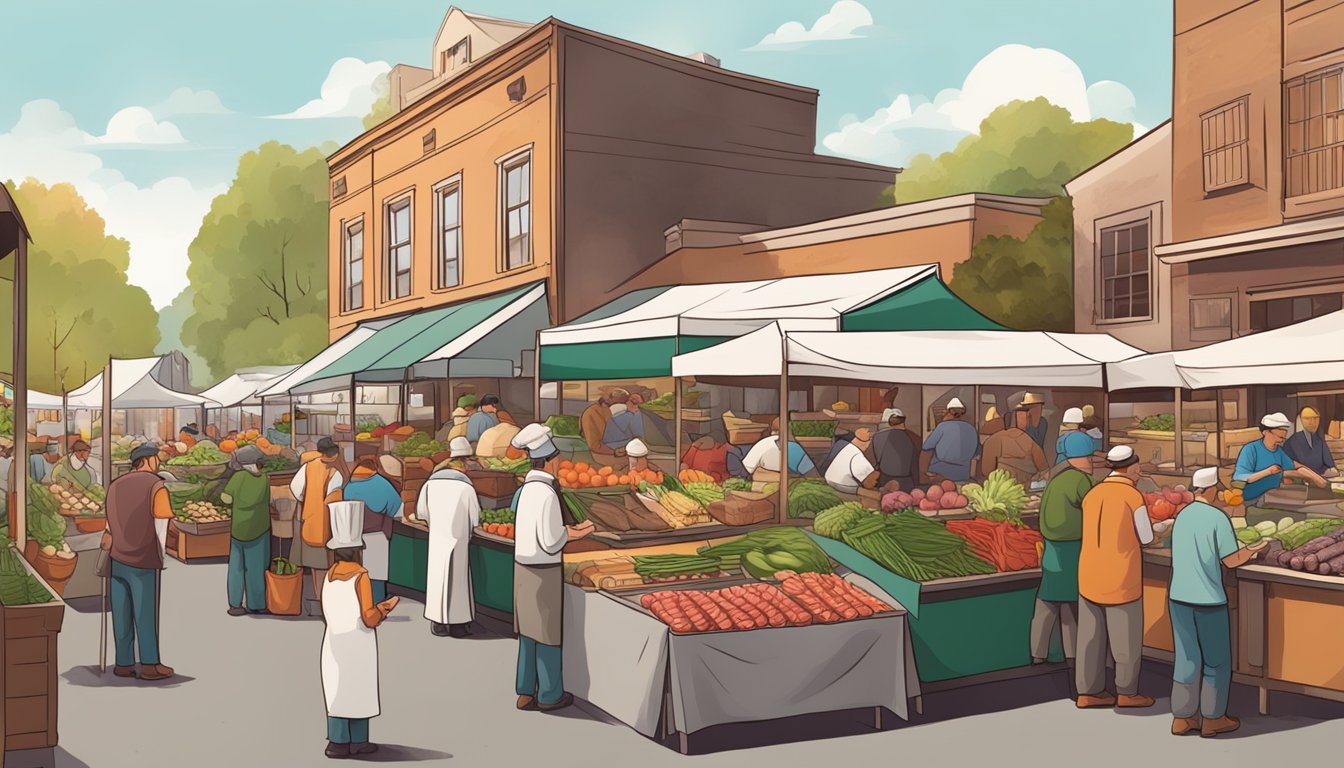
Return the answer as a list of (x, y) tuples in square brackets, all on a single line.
[(30, 669), (187, 546)]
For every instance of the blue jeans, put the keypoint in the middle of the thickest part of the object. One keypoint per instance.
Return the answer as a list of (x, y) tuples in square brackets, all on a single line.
[(1202, 673), (247, 569), (135, 613), (345, 730), (539, 671)]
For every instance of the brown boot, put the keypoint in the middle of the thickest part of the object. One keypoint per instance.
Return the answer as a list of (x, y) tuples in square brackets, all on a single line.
[(156, 672), (124, 671), (1224, 724), (1134, 701), (565, 701), (527, 703), (1096, 702), (1185, 725)]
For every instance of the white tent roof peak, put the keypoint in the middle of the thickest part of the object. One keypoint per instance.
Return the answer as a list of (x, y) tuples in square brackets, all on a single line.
[(133, 386)]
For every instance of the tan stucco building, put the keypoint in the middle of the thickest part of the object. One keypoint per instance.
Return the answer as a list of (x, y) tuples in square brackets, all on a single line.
[(548, 152), (1256, 181)]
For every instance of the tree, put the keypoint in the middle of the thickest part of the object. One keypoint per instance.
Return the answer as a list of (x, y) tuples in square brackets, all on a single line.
[(258, 268), (1023, 148), (382, 106), (81, 306), (172, 319), (1024, 284)]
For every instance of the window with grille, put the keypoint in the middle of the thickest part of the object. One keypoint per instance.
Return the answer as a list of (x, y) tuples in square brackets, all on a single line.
[(353, 293), (1276, 313), (457, 56), (397, 269), (1125, 286), (1211, 314), (1225, 136), (1314, 132), (338, 187), (449, 225), (516, 189)]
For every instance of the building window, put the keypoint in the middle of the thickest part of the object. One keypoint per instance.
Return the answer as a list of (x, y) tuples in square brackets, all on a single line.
[(1315, 132), (353, 295), (1277, 313), (1211, 314), (516, 189), (1225, 134), (397, 269), (338, 187), (1125, 289), (428, 141), (448, 216), (458, 56)]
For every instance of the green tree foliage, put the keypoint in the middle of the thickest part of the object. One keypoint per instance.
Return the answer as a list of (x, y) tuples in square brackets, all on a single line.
[(1024, 284), (1023, 148), (259, 264), (172, 319), (81, 307), (382, 106)]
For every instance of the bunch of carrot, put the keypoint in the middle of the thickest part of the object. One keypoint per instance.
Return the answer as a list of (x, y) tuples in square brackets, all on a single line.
[(499, 529), (1009, 547)]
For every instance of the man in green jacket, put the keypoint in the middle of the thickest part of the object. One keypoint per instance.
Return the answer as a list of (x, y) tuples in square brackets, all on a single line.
[(249, 493), (1062, 529)]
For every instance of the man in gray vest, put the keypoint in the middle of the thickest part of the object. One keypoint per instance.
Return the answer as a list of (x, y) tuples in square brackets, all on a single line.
[(136, 501)]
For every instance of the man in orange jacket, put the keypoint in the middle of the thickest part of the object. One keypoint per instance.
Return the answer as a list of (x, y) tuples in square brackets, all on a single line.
[(317, 484), (1110, 585)]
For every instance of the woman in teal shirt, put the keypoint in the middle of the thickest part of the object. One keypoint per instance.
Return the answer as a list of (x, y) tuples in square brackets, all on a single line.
[(1263, 464)]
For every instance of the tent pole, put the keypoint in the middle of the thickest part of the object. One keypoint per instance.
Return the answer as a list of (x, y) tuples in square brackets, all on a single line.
[(18, 484), (353, 392), (783, 428), (977, 411), (106, 437), (1218, 425), (676, 425), (405, 394), (1180, 429), (294, 426), (536, 381), (65, 419)]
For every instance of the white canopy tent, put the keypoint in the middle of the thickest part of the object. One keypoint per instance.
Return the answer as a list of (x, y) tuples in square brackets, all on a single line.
[(242, 388), (1306, 352), (41, 401), (134, 386)]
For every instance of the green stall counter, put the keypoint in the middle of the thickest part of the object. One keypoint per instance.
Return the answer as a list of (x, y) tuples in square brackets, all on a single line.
[(491, 566)]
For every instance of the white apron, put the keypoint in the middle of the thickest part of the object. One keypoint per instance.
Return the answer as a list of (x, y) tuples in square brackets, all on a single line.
[(349, 654), (375, 555), (450, 508)]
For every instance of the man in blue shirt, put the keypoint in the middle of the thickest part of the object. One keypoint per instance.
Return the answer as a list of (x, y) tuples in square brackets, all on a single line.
[(625, 425), (1263, 464), (1202, 544), (484, 418), (1307, 445), (950, 451), (764, 455)]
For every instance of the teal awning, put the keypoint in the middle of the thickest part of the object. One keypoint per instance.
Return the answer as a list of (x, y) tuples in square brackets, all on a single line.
[(438, 334), (928, 305)]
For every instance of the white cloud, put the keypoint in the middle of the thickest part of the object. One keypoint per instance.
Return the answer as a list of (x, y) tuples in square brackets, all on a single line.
[(160, 220), (350, 89), (136, 125), (912, 123), (842, 22), (187, 101)]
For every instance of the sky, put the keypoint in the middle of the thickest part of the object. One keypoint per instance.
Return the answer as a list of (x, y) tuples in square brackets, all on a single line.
[(145, 105)]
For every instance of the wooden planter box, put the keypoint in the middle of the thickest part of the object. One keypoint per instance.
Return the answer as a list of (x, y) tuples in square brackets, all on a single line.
[(30, 676), (189, 546)]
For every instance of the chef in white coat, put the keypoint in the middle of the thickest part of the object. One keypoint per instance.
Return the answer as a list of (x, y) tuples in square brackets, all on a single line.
[(449, 506), (540, 535), (350, 643)]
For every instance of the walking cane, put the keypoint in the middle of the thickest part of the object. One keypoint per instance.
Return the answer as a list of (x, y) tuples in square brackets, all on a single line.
[(102, 632)]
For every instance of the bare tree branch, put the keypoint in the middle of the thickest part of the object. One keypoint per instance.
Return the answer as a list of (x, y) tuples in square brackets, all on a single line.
[(267, 314)]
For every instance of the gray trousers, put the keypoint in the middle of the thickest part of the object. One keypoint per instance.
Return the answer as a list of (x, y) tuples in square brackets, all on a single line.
[(1048, 614), (1117, 628)]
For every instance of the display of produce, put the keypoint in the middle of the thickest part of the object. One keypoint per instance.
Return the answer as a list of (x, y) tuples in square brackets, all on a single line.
[(201, 512), (1322, 554), (46, 526), (1158, 422), (583, 475), (704, 492), (201, 454), (17, 585), (504, 515), (1009, 547), (419, 444), (518, 466), (281, 566), (655, 569), (122, 445), (1232, 497), (689, 476), (279, 464), (677, 509), (1296, 535), (499, 529), (911, 545), (937, 498), (564, 426), (663, 403), (808, 497), (6, 420), (798, 601), (614, 512), (736, 484), (1166, 502), (72, 503), (813, 428), (763, 553), (833, 522), (1000, 497)]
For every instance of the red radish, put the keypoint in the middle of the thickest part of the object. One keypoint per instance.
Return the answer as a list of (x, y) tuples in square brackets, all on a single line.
[(917, 495), (949, 486), (948, 501), (934, 493), (928, 505)]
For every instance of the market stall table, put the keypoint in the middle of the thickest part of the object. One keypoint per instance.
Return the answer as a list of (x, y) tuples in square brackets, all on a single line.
[(629, 664), (1289, 628), (491, 559)]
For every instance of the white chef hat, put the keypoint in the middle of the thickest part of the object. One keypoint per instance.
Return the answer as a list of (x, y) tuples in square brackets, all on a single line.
[(459, 447), (1275, 421), (892, 413), (636, 449), (347, 525), (956, 403), (1121, 456), (1204, 478), (1072, 416), (536, 440)]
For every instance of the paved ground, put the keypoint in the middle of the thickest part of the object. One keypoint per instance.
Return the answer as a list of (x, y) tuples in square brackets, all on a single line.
[(250, 695)]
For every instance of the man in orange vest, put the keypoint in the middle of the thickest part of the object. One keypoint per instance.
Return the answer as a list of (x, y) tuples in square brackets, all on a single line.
[(317, 484), (1110, 585)]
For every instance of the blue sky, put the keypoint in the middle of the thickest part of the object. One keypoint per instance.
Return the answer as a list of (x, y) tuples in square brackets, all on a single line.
[(96, 104)]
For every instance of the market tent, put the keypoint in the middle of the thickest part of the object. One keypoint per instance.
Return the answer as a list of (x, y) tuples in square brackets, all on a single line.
[(280, 387), (242, 387), (42, 401), (1033, 358), (478, 338), (638, 334), (134, 386), (1309, 351)]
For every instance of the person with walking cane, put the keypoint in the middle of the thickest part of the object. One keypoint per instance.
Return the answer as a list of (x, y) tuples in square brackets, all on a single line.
[(136, 502)]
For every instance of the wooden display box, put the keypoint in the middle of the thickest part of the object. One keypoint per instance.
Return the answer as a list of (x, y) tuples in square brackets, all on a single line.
[(188, 546), (30, 681)]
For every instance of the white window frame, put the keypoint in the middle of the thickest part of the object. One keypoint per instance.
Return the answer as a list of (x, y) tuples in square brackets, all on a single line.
[(515, 159), (1153, 213), (450, 185), (347, 262), (450, 62), (388, 268)]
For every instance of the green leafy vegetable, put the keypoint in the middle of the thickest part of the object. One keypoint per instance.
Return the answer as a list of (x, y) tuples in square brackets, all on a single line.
[(1159, 422), (812, 428)]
